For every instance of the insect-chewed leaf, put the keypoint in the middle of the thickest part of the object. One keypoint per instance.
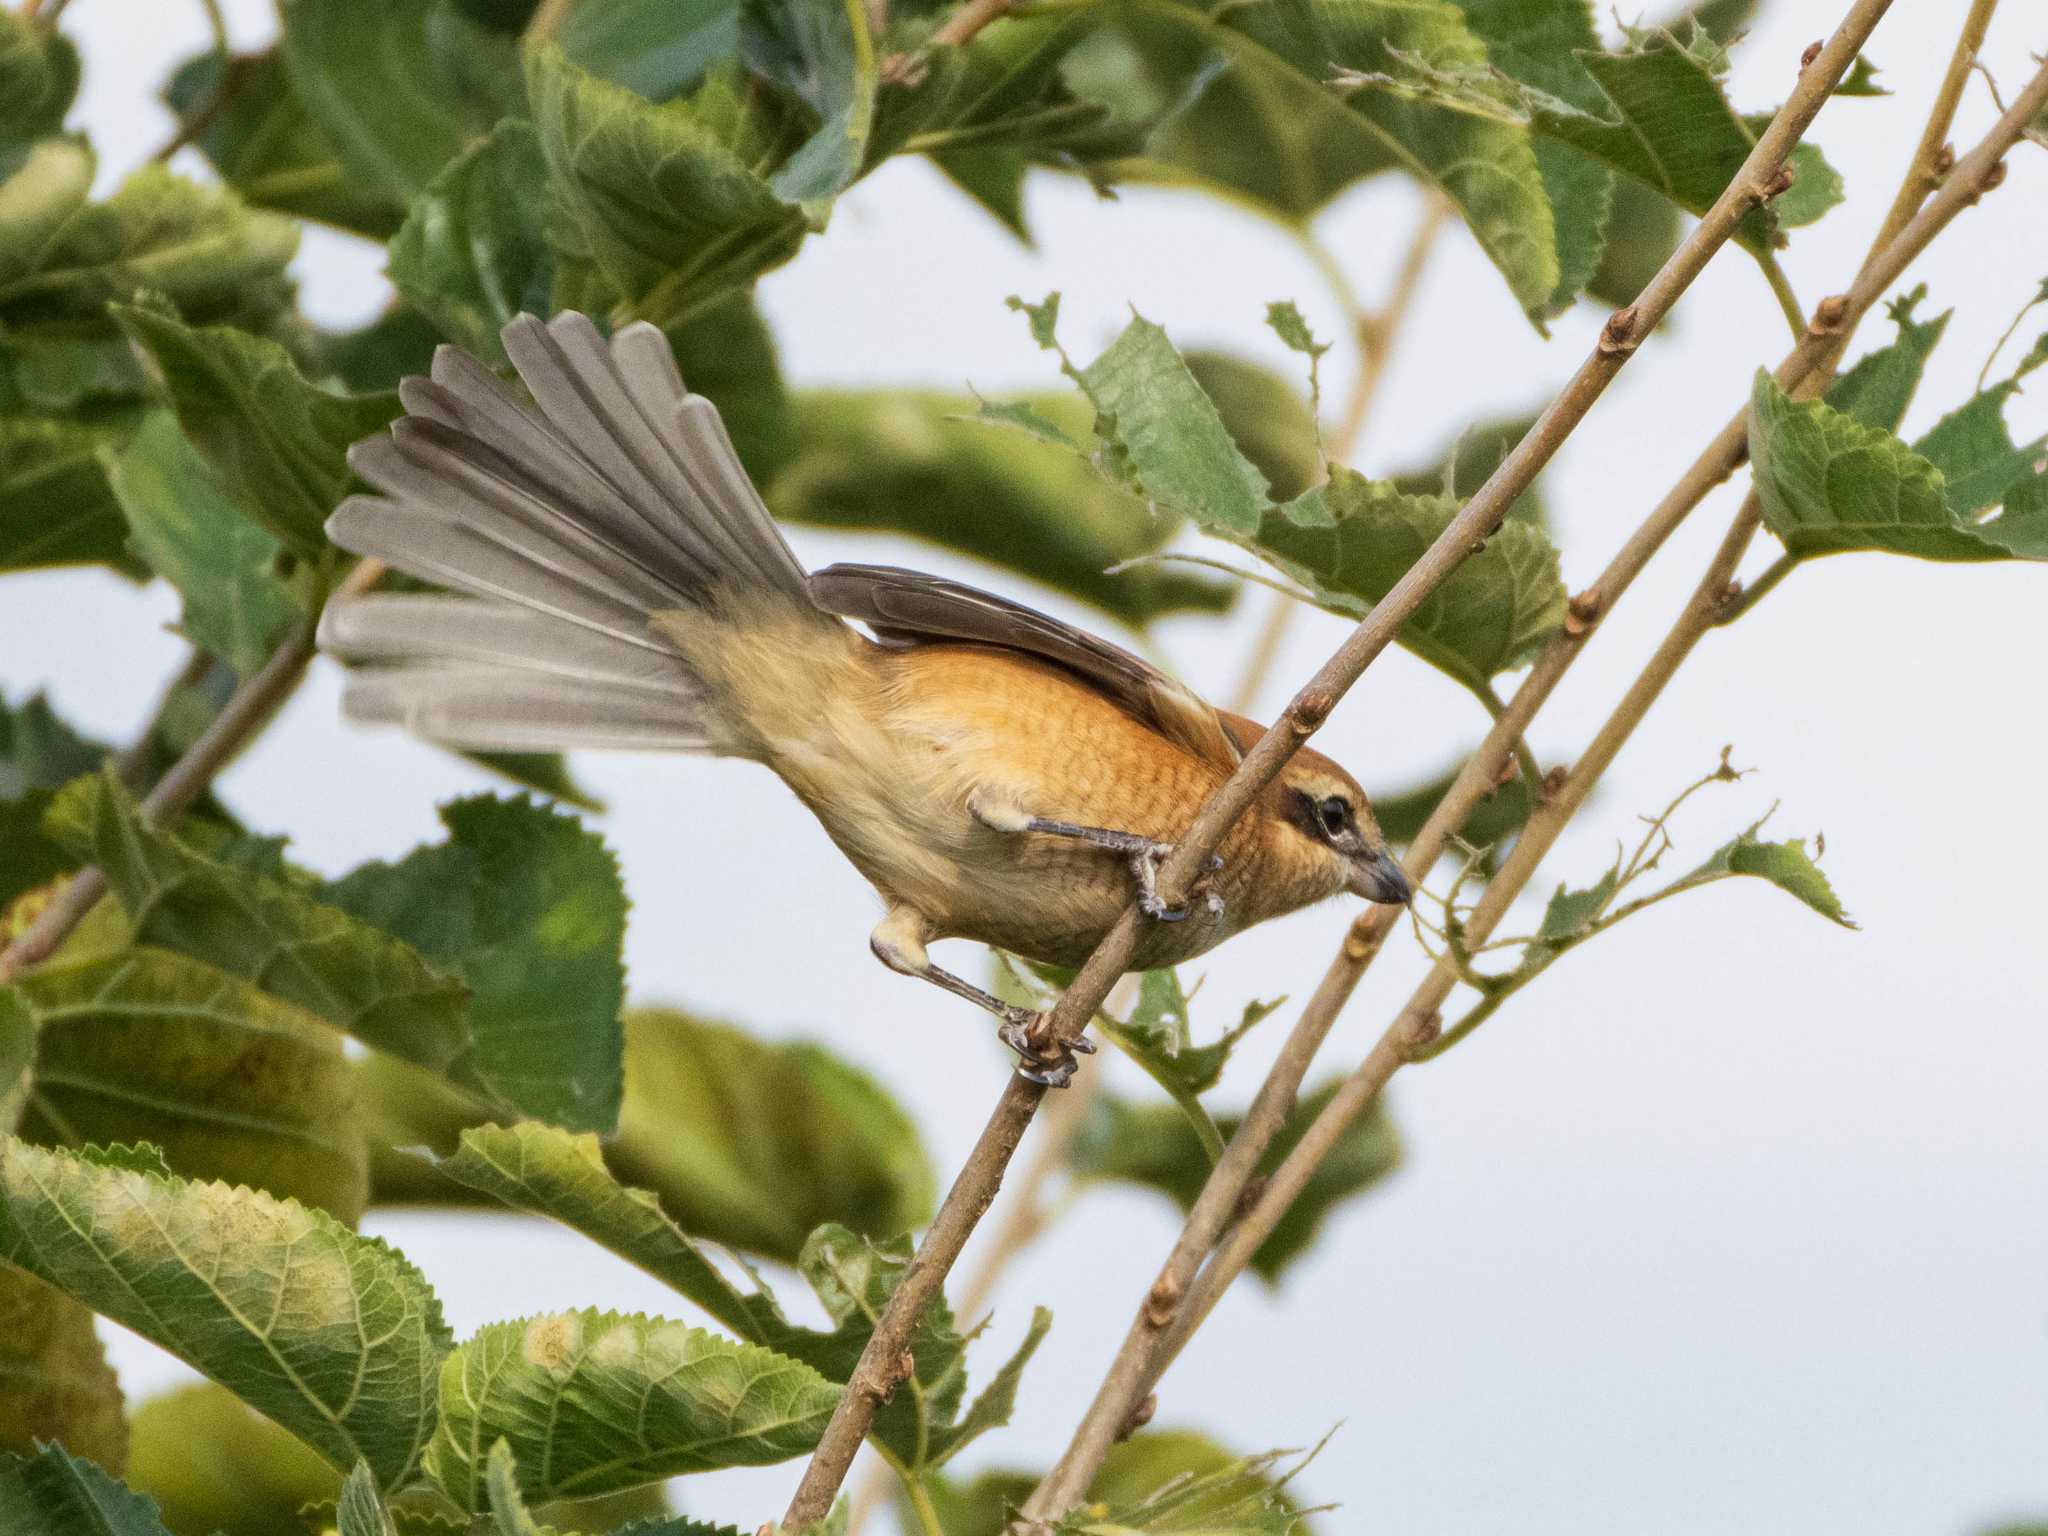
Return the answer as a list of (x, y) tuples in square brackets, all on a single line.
[(756, 1145), (1174, 441), (277, 444), (1266, 416), (552, 1173), (1349, 541), (905, 462), (223, 565), (470, 253), (1829, 484), (232, 1083), (55, 505), (334, 1336), (59, 1386), (651, 204), (592, 1401), (359, 979), (64, 258), (54, 1493), (1184, 1483), (525, 904), (1786, 865), (397, 87), (264, 144)]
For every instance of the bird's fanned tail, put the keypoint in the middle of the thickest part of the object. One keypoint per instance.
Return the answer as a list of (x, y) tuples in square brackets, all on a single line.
[(567, 528)]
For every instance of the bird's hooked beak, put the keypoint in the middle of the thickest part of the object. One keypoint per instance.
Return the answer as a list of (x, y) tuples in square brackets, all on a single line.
[(1379, 877)]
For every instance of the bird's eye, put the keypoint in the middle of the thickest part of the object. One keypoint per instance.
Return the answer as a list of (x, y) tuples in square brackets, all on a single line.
[(1336, 815)]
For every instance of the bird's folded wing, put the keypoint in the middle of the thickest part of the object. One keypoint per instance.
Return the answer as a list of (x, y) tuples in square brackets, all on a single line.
[(907, 607)]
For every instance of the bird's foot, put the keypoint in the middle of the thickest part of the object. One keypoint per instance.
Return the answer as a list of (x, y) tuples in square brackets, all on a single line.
[(1145, 864), (1035, 1064)]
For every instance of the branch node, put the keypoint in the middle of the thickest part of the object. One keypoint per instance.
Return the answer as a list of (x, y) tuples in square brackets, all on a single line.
[(1777, 184), (882, 1386), (1510, 769), (1553, 781), (1362, 940), (1138, 1417), (1419, 1033), (1583, 612), (1619, 333), (1992, 179), (1311, 708), (1162, 1301), (1944, 161), (1812, 52), (1829, 315), (1249, 1196)]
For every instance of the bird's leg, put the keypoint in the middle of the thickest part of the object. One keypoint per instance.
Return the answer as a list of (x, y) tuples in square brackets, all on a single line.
[(1145, 854), (898, 942)]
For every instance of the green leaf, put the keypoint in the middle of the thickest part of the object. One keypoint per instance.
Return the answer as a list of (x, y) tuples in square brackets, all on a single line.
[(55, 507), (1153, 1145), (38, 753), (1468, 459), (1349, 541), (334, 1336), (1266, 417), (545, 772), (470, 254), (650, 204), (1829, 484), (1158, 1036), (213, 1464), (38, 81), (755, 1145), (656, 48), (54, 1493), (815, 50), (903, 462), (361, 1512), (552, 1173), (63, 258), (1974, 450), (264, 929), (1878, 389), (1643, 227), (1786, 865), (376, 356), (277, 444), (55, 1383), (526, 906), (266, 146), (995, 1403), (1174, 445), (591, 1401), (397, 87), (224, 566), (232, 1084)]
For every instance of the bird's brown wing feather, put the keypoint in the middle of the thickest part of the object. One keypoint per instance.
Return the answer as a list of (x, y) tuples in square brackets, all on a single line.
[(907, 607)]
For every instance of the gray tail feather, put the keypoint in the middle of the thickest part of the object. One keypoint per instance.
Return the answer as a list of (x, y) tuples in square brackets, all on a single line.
[(566, 528)]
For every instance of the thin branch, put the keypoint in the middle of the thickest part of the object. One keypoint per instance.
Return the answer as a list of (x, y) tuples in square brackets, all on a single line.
[(1924, 171), (1412, 1033), (1310, 707), (1143, 1356), (1757, 590), (1781, 290), (250, 708)]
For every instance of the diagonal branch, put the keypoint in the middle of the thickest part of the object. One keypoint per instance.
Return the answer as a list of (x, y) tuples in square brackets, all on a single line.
[(244, 714), (982, 1175), (1412, 1034)]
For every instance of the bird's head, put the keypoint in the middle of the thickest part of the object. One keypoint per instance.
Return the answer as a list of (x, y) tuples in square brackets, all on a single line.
[(1324, 805)]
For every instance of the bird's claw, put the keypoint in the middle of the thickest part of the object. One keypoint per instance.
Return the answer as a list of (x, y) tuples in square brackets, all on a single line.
[(1145, 866), (1049, 1069)]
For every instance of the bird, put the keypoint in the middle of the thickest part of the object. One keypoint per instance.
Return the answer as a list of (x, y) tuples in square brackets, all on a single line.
[(611, 578)]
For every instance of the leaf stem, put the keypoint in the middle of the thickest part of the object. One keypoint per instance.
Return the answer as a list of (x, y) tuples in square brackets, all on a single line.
[(921, 1505), (1781, 290), (1145, 1353), (1532, 772), (1757, 590), (246, 712), (1414, 1030)]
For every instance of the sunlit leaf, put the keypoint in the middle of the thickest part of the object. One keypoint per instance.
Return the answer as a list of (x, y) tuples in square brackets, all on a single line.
[(266, 930), (231, 1083), (332, 1335), (591, 1401)]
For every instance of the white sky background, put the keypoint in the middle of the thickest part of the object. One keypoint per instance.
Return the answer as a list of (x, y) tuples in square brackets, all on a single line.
[(1734, 1220)]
